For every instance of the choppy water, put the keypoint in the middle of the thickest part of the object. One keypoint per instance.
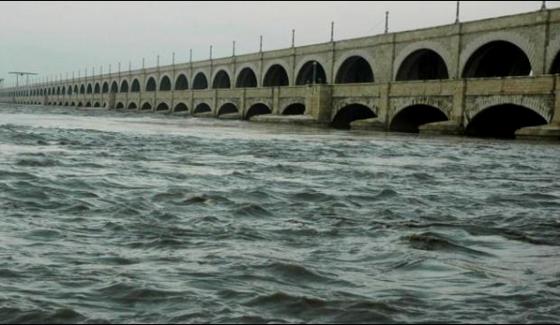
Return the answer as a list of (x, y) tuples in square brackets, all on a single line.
[(123, 217)]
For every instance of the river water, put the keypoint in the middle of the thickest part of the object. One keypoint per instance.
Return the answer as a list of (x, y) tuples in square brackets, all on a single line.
[(128, 217)]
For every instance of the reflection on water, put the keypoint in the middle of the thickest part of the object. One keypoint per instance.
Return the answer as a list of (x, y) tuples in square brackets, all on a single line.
[(122, 217)]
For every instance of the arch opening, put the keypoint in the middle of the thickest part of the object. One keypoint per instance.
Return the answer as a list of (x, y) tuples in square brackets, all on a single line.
[(200, 81), (423, 64), (165, 84), (257, 109), (162, 107), (221, 80), (355, 69), (246, 79), (124, 86), (132, 106), (181, 107), (311, 72), (82, 89), (96, 89), (96, 104), (501, 121), (350, 113), (89, 89), (181, 83), (105, 87), (202, 108), (114, 87), (119, 105), (151, 84), (228, 108), (146, 107), (135, 88), (412, 117), (294, 109), (497, 59), (276, 76)]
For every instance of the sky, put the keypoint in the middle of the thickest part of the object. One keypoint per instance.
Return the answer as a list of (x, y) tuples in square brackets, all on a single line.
[(53, 38)]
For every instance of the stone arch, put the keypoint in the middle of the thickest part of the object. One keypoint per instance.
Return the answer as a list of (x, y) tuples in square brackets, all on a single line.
[(132, 105), (294, 109), (163, 106), (97, 88), (114, 87), (63, 91), (276, 75), (410, 50), (257, 109), (182, 82), (344, 60), (202, 108), (124, 86), (307, 70), (146, 106), (246, 77), (119, 105), (539, 105), (151, 84), (165, 84), (516, 40), (354, 69), (553, 55), (105, 87), (221, 80), (350, 113), (82, 89), (135, 87), (502, 121), (181, 107), (410, 118), (89, 89), (96, 104), (80, 104), (555, 66), (228, 108), (73, 104), (200, 81)]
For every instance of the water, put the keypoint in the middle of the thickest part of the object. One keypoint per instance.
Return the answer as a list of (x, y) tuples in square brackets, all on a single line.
[(128, 217)]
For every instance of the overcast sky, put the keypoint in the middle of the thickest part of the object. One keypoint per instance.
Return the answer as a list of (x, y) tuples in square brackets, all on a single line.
[(61, 37)]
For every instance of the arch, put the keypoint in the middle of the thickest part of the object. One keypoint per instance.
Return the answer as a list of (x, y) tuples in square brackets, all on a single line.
[(151, 84), (124, 86), (310, 69), (89, 89), (162, 106), (132, 105), (135, 86), (165, 84), (501, 121), (88, 104), (63, 91), (73, 104), (96, 104), (410, 118), (119, 105), (276, 76), (202, 108), (200, 81), (422, 64), (65, 103), (105, 87), (294, 109), (221, 80), (82, 89), (75, 89), (497, 58), (97, 88), (350, 113), (555, 68), (181, 107), (257, 109), (246, 78), (355, 69), (80, 104), (228, 108), (114, 87), (146, 106), (182, 83)]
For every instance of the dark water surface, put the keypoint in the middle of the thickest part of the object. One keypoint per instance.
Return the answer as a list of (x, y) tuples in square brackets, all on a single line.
[(127, 217)]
